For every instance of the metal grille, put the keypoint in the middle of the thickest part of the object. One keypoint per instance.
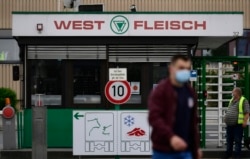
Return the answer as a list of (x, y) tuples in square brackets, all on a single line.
[(66, 52), (145, 53), (117, 53)]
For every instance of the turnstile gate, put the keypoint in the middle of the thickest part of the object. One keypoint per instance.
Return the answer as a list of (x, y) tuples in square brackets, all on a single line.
[(216, 79)]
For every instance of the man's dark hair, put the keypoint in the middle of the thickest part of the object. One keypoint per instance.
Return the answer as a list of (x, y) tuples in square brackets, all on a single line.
[(180, 57)]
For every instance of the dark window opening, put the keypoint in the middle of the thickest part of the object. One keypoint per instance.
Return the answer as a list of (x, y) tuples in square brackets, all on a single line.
[(86, 82), (46, 79), (160, 71)]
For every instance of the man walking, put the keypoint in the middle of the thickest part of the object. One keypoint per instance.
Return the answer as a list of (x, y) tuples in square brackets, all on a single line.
[(173, 114), (236, 120)]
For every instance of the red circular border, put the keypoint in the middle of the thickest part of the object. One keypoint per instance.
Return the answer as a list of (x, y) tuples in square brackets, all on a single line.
[(12, 113), (122, 101)]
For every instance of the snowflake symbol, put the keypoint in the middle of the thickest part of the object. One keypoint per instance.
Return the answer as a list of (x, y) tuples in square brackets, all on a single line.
[(129, 120)]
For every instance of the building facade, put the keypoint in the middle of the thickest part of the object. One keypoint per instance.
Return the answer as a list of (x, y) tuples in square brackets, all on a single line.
[(7, 6), (72, 68)]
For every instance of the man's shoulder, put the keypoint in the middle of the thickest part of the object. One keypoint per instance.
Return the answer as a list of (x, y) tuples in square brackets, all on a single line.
[(245, 100), (164, 82), (162, 85)]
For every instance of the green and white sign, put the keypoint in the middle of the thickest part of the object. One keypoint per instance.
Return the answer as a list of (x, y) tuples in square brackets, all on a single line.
[(127, 24), (119, 24)]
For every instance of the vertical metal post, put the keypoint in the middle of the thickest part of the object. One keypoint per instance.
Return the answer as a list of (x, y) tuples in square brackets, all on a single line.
[(39, 129), (25, 76), (9, 133), (220, 117), (117, 107), (21, 134), (39, 133), (203, 113), (197, 84), (247, 95), (18, 130)]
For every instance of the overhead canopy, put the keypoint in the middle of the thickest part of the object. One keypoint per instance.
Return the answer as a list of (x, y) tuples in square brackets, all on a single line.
[(210, 30)]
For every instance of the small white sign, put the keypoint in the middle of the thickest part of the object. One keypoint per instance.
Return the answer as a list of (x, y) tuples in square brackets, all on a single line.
[(193, 75), (135, 87), (118, 74)]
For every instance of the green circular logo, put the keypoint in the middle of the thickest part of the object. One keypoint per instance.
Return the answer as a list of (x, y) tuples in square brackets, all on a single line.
[(119, 24)]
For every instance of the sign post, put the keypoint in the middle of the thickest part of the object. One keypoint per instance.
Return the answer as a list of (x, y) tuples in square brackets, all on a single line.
[(117, 90), (39, 128), (9, 132)]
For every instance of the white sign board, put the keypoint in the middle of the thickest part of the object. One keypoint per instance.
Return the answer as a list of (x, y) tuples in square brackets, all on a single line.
[(94, 133), (134, 133), (118, 74), (111, 133), (157, 24)]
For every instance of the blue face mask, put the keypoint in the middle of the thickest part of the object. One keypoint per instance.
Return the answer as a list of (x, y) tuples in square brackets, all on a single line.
[(182, 76)]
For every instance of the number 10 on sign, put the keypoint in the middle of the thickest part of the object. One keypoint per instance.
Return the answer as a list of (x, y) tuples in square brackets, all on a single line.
[(118, 92)]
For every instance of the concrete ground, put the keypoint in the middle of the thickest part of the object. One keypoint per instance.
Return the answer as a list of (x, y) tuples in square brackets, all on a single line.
[(67, 154)]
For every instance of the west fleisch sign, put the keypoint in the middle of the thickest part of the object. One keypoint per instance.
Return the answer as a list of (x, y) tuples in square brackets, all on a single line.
[(128, 24), (136, 25)]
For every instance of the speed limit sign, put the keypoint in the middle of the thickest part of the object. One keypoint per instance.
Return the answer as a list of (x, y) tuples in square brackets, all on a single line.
[(117, 92)]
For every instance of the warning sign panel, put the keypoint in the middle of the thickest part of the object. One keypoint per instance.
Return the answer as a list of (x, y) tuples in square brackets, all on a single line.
[(118, 74), (111, 133), (94, 133), (134, 133)]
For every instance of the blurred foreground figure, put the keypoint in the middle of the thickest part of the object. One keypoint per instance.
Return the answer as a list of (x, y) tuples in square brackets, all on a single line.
[(173, 114), (236, 120)]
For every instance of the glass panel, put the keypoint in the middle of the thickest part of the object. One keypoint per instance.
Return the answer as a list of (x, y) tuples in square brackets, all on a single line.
[(246, 33), (243, 47), (86, 82), (46, 79), (9, 50), (160, 71), (134, 78)]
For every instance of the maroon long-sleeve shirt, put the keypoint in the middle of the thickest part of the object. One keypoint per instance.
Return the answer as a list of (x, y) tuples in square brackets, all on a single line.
[(162, 109)]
